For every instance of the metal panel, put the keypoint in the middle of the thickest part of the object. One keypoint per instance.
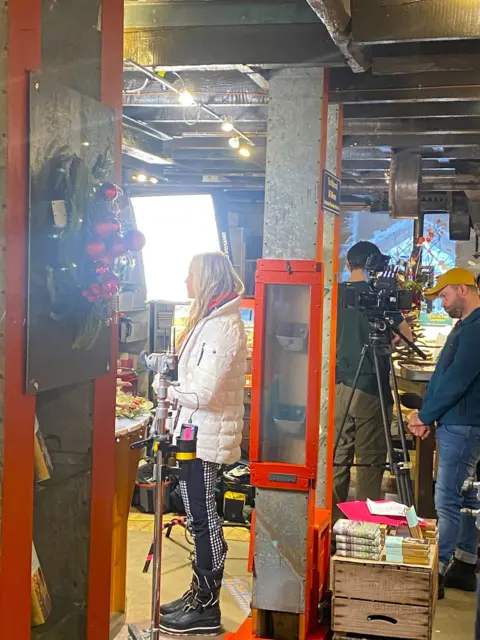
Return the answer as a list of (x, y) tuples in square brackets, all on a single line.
[(280, 550), (378, 21), (253, 45), (328, 248), (293, 164), (149, 15), (60, 119)]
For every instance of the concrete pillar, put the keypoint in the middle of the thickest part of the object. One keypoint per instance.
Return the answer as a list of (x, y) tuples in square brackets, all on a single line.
[(302, 141)]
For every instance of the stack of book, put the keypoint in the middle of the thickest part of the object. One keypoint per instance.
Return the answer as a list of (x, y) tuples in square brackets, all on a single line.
[(407, 550), (359, 539)]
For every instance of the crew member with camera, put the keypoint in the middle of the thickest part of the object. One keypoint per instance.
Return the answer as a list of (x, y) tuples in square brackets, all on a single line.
[(363, 435), (452, 402)]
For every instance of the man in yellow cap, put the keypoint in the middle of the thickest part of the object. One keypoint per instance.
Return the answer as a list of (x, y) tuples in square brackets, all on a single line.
[(452, 402)]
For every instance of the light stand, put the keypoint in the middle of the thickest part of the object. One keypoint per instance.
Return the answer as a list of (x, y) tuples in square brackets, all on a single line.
[(160, 444)]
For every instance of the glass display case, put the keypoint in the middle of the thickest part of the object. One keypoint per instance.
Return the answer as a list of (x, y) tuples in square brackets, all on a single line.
[(286, 368)]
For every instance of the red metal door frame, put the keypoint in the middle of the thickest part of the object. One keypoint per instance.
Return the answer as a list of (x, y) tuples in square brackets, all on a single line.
[(103, 445), (24, 54)]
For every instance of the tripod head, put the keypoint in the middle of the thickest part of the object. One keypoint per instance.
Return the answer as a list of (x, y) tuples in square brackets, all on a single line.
[(381, 331)]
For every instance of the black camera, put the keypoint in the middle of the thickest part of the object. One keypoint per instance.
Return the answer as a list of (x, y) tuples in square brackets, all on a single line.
[(385, 296)]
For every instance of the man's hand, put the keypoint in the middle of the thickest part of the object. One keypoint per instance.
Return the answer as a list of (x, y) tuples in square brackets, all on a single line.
[(417, 428)]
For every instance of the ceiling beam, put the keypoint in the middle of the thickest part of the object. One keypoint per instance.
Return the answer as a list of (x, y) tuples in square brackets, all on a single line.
[(169, 15), (384, 21), (412, 110), (179, 129), (206, 143), (338, 23), (399, 126), (347, 87), (414, 140), (253, 45), (441, 185), (400, 65), (380, 166)]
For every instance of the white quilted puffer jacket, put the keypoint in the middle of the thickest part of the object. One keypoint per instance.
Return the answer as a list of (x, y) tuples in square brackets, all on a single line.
[(211, 375)]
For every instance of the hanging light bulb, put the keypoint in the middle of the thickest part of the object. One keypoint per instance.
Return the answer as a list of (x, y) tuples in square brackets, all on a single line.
[(234, 143), (244, 152), (227, 126), (186, 98)]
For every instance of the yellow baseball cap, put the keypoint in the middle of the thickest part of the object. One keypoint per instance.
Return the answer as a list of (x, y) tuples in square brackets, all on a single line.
[(455, 276)]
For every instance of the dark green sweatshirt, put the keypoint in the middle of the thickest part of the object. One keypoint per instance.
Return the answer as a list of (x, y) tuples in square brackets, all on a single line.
[(453, 395)]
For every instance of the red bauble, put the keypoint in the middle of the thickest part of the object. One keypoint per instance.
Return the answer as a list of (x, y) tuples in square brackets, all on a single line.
[(135, 240), (117, 247), (109, 191), (104, 228), (95, 248)]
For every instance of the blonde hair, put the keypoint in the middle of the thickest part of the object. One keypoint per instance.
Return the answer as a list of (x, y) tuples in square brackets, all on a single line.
[(213, 277)]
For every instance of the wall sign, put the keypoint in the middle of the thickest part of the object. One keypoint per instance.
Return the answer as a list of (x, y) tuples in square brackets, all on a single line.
[(331, 193)]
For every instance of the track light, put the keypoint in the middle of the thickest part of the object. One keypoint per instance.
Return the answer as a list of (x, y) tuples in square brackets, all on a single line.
[(234, 143), (186, 98), (140, 177), (227, 126), (153, 180), (244, 152)]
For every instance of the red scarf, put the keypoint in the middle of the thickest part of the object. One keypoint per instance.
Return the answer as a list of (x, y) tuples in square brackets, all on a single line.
[(219, 301)]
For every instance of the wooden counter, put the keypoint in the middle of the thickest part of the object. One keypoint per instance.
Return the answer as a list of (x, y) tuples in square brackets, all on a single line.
[(126, 464)]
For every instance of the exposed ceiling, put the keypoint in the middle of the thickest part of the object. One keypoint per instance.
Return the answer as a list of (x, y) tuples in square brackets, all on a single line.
[(399, 92)]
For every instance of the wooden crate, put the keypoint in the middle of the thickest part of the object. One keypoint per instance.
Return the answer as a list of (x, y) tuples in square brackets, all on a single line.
[(384, 599)]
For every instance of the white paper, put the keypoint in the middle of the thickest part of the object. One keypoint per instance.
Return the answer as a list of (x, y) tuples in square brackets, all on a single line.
[(388, 508)]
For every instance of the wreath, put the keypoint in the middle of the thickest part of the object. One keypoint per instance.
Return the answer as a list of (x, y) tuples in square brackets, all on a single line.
[(91, 248)]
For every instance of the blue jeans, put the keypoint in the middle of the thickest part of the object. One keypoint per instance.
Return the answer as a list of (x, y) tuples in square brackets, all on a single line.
[(459, 451)]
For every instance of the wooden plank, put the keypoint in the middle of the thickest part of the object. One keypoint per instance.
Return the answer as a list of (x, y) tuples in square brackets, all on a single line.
[(384, 582), (381, 619)]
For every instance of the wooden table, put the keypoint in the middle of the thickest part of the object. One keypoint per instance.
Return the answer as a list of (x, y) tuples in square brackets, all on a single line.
[(126, 464)]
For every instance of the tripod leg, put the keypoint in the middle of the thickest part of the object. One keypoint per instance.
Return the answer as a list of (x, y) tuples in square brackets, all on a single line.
[(401, 473), (398, 409), (350, 399), (383, 405)]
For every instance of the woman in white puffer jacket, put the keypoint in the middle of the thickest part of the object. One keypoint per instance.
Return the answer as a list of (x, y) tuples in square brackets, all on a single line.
[(211, 375)]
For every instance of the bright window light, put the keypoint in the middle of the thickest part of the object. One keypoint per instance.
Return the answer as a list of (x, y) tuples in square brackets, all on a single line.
[(176, 228)]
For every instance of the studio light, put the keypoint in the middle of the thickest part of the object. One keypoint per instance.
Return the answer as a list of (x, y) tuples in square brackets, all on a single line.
[(186, 98), (227, 126), (244, 152)]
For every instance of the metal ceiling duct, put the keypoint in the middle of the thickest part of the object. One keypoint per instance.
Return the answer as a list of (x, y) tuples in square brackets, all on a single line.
[(404, 188), (208, 88)]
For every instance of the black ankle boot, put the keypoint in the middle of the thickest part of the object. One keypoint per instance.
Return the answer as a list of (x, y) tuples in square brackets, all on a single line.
[(178, 604), (461, 575), (200, 615), (441, 587)]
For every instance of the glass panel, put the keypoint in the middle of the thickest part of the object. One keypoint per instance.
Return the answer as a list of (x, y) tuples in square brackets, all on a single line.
[(285, 375)]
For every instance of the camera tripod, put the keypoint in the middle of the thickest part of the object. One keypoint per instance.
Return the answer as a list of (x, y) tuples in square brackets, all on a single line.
[(381, 332)]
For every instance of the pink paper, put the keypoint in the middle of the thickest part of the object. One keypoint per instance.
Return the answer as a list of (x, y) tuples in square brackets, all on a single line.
[(358, 510)]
